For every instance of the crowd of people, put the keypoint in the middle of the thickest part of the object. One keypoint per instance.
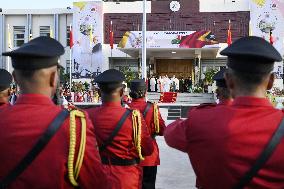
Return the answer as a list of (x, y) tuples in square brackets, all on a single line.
[(80, 92), (236, 143), (169, 84)]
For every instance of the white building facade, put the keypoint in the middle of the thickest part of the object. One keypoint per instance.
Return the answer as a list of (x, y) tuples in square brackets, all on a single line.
[(21, 25)]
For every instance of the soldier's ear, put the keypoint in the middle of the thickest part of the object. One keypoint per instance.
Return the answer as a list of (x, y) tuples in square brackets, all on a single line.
[(271, 81), (53, 79), (121, 91)]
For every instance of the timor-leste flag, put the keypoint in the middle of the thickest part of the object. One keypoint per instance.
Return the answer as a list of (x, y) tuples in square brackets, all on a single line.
[(71, 43), (229, 37), (271, 39), (111, 37), (198, 39)]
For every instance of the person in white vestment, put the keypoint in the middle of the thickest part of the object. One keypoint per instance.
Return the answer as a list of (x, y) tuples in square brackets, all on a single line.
[(152, 84)]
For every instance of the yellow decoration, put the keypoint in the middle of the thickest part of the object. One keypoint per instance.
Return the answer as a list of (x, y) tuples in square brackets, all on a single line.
[(259, 2), (156, 118), (124, 40), (137, 124), (250, 29), (73, 173), (80, 5), (51, 33), (91, 35), (10, 46), (203, 37)]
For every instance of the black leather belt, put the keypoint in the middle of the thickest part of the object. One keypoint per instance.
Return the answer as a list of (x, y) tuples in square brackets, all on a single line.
[(119, 161)]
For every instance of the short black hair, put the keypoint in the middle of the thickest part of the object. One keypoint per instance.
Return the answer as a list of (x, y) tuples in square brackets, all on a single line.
[(248, 81), (109, 87), (224, 92), (137, 94), (26, 74)]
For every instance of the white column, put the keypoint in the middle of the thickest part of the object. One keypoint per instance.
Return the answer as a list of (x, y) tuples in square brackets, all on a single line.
[(1, 40), (70, 63), (144, 45)]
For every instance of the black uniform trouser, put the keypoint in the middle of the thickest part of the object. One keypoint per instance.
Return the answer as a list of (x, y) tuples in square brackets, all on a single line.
[(149, 177)]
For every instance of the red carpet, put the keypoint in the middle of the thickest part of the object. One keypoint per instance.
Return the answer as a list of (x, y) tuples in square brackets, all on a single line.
[(168, 97)]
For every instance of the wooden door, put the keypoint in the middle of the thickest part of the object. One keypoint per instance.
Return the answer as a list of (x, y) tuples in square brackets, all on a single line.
[(178, 67)]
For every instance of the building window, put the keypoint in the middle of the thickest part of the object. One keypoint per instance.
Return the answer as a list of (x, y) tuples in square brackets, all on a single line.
[(67, 66), (19, 35), (68, 36), (44, 31)]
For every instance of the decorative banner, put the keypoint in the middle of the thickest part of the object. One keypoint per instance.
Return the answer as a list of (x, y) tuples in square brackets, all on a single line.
[(170, 39), (267, 21), (278, 70), (267, 16), (87, 36)]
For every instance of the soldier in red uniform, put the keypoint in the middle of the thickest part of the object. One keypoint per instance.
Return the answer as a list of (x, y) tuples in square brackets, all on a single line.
[(223, 93), (155, 125), (5, 82), (122, 133), (237, 146), (40, 147)]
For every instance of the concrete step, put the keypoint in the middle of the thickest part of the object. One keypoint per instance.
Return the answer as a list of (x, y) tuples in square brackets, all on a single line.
[(174, 114), (173, 118), (174, 111)]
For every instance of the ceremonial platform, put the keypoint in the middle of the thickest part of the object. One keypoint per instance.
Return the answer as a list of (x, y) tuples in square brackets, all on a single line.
[(171, 111)]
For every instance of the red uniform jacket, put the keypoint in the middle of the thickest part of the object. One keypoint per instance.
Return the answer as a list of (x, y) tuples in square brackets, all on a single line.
[(225, 102), (22, 125), (223, 142), (141, 104), (105, 119), (3, 105)]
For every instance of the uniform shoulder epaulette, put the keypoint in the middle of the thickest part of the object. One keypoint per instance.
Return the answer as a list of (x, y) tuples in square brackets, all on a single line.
[(206, 105)]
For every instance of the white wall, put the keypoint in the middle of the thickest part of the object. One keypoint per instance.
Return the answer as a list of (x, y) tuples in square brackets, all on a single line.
[(107, 54), (126, 7), (64, 21), (42, 20), (18, 20), (223, 5)]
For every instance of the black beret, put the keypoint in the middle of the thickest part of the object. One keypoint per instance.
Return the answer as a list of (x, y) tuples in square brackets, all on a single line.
[(110, 76), (41, 52), (5, 79), (138, 84), (252, 55), (220, 79)]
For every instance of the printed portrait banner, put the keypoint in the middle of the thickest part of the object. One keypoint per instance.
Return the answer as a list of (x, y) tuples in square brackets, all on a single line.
[(267, 20), (87, 51), (170, 39)]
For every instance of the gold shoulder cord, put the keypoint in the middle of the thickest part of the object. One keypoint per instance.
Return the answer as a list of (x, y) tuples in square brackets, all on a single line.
[(156, 118), (73, 174), (136, 124)]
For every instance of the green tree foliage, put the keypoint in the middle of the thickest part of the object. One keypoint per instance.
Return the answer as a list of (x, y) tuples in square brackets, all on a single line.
[(129, 74), (209, 76)]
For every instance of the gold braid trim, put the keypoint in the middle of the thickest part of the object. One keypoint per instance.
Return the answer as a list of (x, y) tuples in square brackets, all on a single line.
[(73, 173), (137, 124), (156, 119)]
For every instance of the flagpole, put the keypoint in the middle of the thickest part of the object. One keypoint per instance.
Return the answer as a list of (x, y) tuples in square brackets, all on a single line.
[(70, 70), (111, 38), (9, 47), (144, 45)]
